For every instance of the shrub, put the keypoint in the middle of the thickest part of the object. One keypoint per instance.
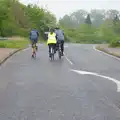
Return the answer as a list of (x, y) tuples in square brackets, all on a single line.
[(115, 42)]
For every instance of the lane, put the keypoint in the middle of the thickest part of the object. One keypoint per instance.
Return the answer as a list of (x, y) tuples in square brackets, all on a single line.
[(40, 90), (87, 59), (84, 57)]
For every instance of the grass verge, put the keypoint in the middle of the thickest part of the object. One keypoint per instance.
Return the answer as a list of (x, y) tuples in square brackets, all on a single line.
[(18, 44)]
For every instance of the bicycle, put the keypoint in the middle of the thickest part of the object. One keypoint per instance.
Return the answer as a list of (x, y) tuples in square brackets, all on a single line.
[(59, 50), (34, 49), (52, 53)]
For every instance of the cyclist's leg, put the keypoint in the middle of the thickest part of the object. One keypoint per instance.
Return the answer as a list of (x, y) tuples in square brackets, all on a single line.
[(32, 44), (33, 49), (57, 45), (36, 41), (62, 46), (49, 46), (54, 47)]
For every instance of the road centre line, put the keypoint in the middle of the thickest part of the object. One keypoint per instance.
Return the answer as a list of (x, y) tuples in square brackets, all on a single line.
[(68, 59)]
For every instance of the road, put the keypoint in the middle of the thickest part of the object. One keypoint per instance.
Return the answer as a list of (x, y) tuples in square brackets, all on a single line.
[(84, 85)]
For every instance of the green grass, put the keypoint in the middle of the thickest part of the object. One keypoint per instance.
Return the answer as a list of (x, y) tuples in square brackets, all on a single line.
[(19, 44)]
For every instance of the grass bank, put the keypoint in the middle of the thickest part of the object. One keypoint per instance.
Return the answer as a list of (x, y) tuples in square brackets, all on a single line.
[(19, 44), (103, 49)]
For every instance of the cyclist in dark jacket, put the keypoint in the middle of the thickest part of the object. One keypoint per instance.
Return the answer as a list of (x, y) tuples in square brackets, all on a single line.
[(60, 38), (34, 35)]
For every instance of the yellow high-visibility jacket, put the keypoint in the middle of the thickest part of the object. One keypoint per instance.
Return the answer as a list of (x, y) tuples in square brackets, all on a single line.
[(51, 38)]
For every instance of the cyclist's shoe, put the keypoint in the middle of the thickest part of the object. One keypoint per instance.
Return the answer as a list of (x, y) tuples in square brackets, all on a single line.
[(32, 56)]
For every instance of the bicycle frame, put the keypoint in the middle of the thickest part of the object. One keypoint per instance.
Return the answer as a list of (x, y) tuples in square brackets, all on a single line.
[(52, 53)]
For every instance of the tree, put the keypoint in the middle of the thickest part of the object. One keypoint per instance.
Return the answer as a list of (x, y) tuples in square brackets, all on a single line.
[(115, 20), (110, 14), (79, 17), (20, 18), (97, 17), (3, 15), (67, 22), (88, 20), (74, 20)]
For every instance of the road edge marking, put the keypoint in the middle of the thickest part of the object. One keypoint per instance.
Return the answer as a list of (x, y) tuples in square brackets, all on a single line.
[(68, 59), (94, 47)]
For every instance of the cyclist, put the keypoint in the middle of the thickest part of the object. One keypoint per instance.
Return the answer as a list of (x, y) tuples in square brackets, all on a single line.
[(60, 38), (34, 34), (51, 40)]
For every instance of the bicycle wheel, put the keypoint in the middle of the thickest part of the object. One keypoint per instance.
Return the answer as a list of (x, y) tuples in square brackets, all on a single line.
[(59, 52), (52, 53)]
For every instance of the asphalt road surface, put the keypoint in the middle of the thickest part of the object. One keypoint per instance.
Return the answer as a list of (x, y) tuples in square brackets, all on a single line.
[(83, 85)]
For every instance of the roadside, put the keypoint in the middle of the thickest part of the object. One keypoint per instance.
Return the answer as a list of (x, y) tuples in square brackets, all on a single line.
[(11, 46), (112, 51), (5, 53)]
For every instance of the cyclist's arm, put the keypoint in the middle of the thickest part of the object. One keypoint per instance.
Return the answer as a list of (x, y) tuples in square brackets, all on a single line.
[(38, 33), (56, 37)]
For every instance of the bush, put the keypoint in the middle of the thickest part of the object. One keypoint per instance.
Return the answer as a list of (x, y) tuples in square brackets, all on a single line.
[(115, 42)]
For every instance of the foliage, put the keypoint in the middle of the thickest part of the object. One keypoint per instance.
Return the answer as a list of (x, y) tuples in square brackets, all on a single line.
[(99, 26), (115, 42), (18, 19), (14, 43)]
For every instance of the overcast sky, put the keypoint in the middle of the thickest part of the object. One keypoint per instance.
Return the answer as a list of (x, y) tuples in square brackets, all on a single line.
[(62, 7)]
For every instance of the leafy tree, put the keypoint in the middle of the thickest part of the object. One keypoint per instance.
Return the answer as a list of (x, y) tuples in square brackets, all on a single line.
[(74, 20), (110, 14), (18, 19), (3, 15), (115, 20), (97, 17)]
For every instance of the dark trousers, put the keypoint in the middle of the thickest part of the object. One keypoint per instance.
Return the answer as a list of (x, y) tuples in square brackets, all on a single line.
[(52, 45), (62, 45)]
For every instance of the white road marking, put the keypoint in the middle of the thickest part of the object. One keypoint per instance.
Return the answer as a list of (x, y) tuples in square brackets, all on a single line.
[(106, 53), (68, 59), (98, 75), (66, 46)]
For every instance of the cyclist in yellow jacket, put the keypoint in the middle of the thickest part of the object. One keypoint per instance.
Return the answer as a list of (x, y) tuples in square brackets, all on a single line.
[(52, 40)]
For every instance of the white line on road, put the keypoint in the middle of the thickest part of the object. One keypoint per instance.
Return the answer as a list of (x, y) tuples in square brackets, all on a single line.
[(98, 75), (106, 53), (66, 46), (68, 59)]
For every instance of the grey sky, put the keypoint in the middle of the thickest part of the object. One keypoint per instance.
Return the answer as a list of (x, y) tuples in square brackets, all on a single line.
[(62, 7)]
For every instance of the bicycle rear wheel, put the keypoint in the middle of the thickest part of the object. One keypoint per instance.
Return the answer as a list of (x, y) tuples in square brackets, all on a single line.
[(52, 53), (59, 51)]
